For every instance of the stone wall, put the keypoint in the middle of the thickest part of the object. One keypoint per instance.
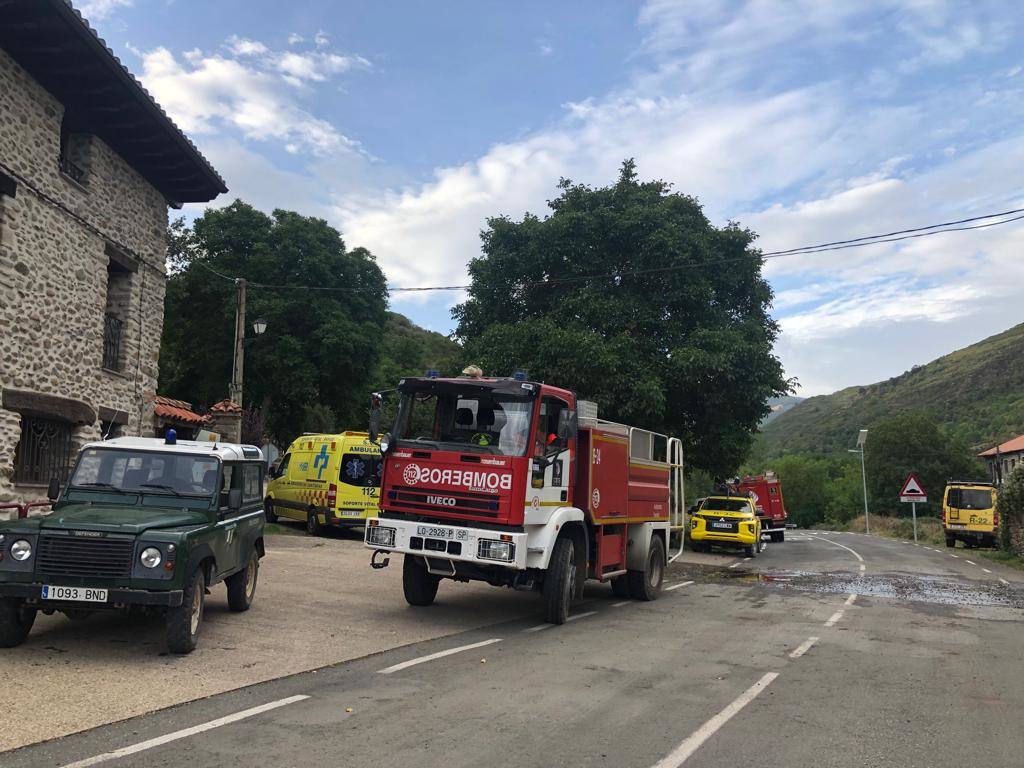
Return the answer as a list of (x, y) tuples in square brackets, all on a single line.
[(56, 240)]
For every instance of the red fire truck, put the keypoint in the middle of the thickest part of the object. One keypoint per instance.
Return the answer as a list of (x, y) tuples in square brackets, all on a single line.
[(519, 484), (767, 494)]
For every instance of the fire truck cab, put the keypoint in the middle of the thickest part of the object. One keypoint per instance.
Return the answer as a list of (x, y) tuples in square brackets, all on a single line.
[(519, 484)]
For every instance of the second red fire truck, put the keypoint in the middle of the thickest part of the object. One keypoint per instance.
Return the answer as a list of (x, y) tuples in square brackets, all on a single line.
[(766, 491), (519, 484)]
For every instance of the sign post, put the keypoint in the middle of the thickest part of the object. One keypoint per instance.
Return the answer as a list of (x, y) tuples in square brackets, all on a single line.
[(913, 492)]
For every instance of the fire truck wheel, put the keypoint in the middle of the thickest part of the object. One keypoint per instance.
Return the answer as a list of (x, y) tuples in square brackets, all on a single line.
[(419, 584), (778, 536), (646, 584), (15, 621), (620, 586), (560, 582)]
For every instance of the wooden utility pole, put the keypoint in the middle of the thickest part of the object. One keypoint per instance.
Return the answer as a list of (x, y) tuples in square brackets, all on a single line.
[(238, 369)]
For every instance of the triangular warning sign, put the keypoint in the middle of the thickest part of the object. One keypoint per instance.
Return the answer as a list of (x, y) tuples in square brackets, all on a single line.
[(912, 487)]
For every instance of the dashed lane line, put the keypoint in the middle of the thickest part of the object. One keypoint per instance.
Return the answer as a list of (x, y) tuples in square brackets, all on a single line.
[(677, 586), (619, 605), (834, 618), (184, 733), (970, 562), (850, 599), (986, 570), (803, 648), (687, 748), (439, 655), (1004, 581), (736, 563)]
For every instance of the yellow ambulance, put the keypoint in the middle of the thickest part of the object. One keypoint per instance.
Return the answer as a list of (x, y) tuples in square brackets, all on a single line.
[(326, 480)]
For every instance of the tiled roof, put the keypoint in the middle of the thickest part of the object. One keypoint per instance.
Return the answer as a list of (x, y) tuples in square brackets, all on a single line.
[(1010, 446), (176, 410), (226, 406)]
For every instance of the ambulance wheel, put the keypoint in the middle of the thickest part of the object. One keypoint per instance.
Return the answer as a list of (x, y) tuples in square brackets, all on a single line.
[(419, 584), (268, 510), (560, 582), (313, 527), (15, 621), (620, 586), (646, 584)]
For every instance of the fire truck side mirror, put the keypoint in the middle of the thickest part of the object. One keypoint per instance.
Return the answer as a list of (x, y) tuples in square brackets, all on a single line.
[(567, 425), (374, 428)]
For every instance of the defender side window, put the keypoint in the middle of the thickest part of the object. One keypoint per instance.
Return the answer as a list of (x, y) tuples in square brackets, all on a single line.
[(253, 486)]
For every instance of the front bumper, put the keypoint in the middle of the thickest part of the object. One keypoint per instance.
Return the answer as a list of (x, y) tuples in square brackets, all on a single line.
[(115, 597), (742, 538), (455, 543)]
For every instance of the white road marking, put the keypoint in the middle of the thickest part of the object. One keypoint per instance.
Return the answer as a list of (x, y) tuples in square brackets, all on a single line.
[(986, 570), (970, 562), (438, 655), (619, 605), (581, 615), (834, 618), (1004, 581), (747, 558), (539, 628), (803, 648), (735, 564), (851, 551), (677, 586), (863, 568), (956, 556), (850, 599), (184, 733), (684, 751)]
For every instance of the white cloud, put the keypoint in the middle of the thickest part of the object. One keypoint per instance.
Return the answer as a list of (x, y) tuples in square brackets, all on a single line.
[(250, 88), (97, 10), (295, 38), (321, 39)]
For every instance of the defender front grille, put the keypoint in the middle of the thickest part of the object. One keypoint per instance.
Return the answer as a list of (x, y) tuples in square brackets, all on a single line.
[(72, 556)]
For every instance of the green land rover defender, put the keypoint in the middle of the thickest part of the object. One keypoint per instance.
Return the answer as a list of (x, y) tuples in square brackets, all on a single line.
[(145, 524)]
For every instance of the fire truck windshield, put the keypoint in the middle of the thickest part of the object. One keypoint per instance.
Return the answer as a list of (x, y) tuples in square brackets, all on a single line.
[(455, 417)]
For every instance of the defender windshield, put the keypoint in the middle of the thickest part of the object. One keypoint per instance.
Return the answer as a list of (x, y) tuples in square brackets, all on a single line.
[(969, 498), (725, 505), (456, 417), (144, 472)]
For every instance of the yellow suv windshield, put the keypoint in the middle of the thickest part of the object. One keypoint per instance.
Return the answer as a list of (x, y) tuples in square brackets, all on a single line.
[(725, 505)]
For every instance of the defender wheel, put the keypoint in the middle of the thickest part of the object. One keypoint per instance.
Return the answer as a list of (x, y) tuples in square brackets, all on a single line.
[(646, 584), (620, 586), (419, 584), (15, 621), (313, 527), (950, 541), (560, 582), (242, 585), (268, 510), (185, 621)]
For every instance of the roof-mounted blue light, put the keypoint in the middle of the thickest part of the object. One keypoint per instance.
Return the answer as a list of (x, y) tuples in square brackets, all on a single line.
[(519, 375), (171, 438), (433, 374)]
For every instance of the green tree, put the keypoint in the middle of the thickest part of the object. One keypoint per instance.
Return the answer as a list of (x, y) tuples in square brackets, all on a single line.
[(806, 487), (628, 295), (313, 366), (913, 442)]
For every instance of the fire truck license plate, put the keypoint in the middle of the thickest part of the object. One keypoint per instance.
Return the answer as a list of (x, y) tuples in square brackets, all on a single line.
[(453, 534), (76, 594)]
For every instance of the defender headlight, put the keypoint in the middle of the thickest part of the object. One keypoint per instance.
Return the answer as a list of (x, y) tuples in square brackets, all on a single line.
[(150, 557), (21, 550)]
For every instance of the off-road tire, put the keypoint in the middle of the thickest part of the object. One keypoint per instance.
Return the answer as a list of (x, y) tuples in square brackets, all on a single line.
[(778, 537), (646, 584), (268, 510), (750, 550), (313, 527), (759, 545), (15, 621), (559, 582), (620, 586), (182, 627), (950, 542), (418, 584), (241, 590)]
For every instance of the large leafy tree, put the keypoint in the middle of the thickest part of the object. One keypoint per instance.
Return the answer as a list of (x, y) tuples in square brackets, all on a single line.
[(325, 308), (628, 295)]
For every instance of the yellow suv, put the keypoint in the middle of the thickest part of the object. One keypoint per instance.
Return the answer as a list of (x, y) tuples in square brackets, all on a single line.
[(326, 480), (726, 521), (969, 514)]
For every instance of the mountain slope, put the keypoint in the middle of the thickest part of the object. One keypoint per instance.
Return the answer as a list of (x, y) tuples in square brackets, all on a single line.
[(779, 406), (976, 392)]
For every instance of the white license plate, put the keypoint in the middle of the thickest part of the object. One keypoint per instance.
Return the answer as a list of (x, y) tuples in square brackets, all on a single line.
[(727, 526), (957, 525), (75, 594), (451, 534)]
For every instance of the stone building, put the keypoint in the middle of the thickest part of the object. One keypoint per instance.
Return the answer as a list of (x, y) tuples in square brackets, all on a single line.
[(88, 166), (1004, 458)]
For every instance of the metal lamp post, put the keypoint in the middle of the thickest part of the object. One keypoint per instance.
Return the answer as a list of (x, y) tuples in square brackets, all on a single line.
[(862, 438)]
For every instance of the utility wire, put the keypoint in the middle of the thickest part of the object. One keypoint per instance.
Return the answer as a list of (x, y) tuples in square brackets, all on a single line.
[(836, 245)]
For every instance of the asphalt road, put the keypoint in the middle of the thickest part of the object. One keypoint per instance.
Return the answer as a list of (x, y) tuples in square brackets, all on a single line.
[(827, 650)]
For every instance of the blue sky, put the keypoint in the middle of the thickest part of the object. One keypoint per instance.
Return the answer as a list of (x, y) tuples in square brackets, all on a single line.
[(407, 124)]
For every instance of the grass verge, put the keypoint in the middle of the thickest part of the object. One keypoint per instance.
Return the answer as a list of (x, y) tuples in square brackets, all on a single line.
[(1002, 557)]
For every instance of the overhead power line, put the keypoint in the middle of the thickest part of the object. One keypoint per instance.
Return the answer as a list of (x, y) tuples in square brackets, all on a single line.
[(836, 245)]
